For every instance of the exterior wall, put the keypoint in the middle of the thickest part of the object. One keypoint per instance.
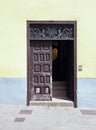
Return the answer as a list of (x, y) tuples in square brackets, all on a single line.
[(86, 92), (13, 91), (13, 61)]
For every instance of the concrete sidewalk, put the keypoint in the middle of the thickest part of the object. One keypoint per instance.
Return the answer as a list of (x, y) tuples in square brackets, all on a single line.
[(46, 118)]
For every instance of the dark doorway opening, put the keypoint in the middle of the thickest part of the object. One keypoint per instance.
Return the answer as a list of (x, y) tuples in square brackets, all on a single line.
[(62, 68)]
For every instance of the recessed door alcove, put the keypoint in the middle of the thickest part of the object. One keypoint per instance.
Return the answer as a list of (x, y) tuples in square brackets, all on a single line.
[(48, 76)]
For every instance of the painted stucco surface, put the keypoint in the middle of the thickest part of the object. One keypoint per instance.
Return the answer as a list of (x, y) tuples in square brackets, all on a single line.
[(13, 44), (13, 91), (86, 93), (13, 17)]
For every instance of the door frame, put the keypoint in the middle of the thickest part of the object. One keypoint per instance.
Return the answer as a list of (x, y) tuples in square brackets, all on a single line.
[(52, 23)]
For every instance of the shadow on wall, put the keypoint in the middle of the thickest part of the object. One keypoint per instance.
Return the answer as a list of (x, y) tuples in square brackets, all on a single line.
[(13, 91), (86, 92)]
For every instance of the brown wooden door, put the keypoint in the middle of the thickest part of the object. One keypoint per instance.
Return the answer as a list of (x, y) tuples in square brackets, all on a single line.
[(41, 57), (39, 61)]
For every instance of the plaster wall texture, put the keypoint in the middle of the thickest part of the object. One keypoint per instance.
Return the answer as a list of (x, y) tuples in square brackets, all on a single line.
[(13, 44), (13, 91), (13, 17)]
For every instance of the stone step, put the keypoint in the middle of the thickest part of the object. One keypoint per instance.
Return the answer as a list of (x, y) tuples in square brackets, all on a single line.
[(64, 102), (59, 83), (59, 89), (63, 88), (59, 93)]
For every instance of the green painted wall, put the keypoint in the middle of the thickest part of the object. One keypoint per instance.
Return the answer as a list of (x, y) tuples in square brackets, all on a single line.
[(13, 17)]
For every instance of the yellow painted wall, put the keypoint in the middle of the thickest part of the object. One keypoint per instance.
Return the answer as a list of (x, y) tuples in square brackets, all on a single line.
[(13, 17)]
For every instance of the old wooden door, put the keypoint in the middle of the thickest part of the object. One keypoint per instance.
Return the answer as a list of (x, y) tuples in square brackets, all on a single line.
[(41, 59)]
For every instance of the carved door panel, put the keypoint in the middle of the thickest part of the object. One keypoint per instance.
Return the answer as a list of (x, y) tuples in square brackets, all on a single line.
[(41, 52)]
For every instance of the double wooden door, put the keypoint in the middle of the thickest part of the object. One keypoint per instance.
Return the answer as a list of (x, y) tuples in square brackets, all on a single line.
[(41, 70)]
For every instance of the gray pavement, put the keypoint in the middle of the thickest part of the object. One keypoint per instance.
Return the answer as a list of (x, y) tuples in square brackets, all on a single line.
[(46, 118)]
